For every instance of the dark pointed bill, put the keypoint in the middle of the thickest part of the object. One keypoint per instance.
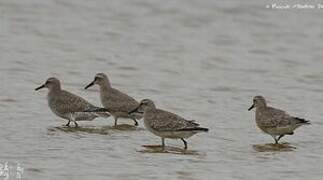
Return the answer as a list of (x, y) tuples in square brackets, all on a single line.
[(40, 87), (89, 85), (253, 105)]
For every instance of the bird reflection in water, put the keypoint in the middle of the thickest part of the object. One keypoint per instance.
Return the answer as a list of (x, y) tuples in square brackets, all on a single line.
[(167, 149), (103, 130), (272, 147)]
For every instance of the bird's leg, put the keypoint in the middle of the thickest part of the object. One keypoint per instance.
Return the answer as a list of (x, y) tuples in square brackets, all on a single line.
[(68, 123), (280, 137), (163, 142), (276, 141), (136, 122), (115, 121), (72, 118), (185, 143)]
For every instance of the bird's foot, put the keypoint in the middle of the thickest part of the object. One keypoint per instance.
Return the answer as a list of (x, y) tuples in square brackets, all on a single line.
[(76, 125)]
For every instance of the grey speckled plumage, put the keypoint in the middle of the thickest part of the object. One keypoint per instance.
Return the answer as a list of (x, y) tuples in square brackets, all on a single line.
[(67, 105), (117, 103), (275, 122), (166, 124)]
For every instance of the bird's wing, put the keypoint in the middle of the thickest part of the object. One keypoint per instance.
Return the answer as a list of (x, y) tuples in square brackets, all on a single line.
[(167, 121), (120, 102), (69, 102), (276, 118)]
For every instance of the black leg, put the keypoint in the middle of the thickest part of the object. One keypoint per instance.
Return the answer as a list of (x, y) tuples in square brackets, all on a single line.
[(136, 122), (68, 123), (276, 141), (76, 125), (185, 143), (115, 121), (163, 142), (280, 137)]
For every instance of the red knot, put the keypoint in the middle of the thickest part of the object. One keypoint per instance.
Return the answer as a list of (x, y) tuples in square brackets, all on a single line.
[(275, 122), (166, 124), (117, 103), (67, 105)]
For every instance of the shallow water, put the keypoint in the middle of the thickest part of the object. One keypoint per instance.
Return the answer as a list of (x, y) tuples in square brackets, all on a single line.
[(204, 60)]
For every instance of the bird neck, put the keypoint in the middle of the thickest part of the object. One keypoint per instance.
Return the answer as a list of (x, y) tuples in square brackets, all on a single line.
[(105, 87), (53, 93), (55, 89), (150, 109), (149, 112), (263, 106), (260, 109), (105, 84)]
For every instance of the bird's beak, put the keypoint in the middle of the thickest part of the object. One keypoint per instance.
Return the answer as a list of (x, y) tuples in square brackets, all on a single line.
[(251, 107), (89, 85), (40, 87), (134, 110)]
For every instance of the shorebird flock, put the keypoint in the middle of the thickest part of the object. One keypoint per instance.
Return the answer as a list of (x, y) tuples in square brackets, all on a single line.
[(162, 123)]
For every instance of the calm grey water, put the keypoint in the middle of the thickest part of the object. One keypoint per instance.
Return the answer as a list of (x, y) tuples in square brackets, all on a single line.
[(204, 60)]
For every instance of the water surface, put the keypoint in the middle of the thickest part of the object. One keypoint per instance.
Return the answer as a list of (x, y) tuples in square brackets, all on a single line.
[(204, 60)]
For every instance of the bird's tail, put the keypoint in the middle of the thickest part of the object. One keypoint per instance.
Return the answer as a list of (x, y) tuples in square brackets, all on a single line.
[(201, 129), (301, 121), (102, 112), (96, 109)]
